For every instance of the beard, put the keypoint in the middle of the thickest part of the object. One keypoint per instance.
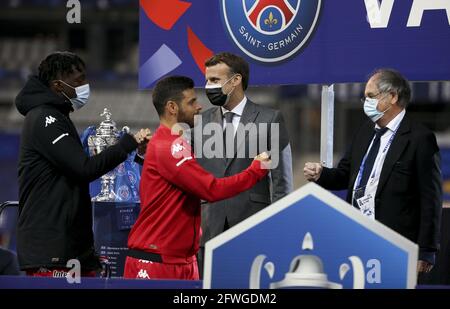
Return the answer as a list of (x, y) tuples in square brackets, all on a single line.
[(184, 117)]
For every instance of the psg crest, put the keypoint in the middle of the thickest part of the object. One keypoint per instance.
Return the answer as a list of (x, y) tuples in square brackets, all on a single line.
[(270, 30)]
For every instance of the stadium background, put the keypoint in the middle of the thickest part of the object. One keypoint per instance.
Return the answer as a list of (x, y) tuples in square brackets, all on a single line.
[(107, 39)]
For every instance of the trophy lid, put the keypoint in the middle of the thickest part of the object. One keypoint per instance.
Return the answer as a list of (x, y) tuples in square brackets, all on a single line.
[(107, 127)]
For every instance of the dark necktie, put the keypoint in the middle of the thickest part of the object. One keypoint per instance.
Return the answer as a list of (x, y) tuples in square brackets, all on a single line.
[(368, 164), (228, 131)]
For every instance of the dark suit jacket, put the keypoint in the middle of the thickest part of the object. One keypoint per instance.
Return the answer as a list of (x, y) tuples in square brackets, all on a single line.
[(409, 193), (271, 188)]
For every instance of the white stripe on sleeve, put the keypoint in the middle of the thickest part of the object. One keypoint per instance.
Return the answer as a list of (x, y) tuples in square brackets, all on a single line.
[(184, 160), (59, 137)]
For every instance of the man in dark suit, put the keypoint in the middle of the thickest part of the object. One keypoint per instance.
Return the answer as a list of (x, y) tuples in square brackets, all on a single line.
[(392, 167), (248, 129)]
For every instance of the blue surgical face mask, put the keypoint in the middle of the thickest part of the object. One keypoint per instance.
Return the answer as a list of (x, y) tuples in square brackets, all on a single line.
[(82, 96), (370, 108)]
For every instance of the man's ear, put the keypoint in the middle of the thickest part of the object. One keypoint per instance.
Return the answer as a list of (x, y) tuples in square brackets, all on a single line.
[(237, 79), (56, 86), (394, 98), (172, 107)]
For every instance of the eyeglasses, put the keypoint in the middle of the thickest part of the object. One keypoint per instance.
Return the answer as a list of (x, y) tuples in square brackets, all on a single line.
[(363, 99)]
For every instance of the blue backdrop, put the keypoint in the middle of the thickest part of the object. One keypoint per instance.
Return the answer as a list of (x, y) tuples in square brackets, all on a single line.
[(324, 41)]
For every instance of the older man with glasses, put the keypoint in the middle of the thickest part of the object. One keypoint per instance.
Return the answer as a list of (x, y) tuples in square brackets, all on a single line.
[(392, 167)]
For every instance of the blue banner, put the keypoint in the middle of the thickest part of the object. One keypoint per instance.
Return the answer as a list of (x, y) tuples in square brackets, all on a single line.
[(295, 41)]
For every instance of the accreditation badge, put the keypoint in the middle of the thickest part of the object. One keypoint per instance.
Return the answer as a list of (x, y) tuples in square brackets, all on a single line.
[(366, 203)]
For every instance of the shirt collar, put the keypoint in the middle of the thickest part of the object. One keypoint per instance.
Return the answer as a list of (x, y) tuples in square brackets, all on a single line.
[(394, 123), (238, 109)]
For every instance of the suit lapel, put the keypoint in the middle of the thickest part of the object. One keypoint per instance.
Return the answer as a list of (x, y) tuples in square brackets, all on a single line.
[(399, 143), (216, 116), (248, 116)]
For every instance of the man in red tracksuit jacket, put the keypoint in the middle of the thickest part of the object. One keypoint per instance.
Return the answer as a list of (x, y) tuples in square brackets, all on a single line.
[(164, 241)]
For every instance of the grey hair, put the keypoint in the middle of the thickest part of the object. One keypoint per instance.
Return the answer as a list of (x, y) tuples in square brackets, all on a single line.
[(390, 80)]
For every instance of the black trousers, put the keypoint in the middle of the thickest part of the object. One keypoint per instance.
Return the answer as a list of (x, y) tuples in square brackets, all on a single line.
[(201, 253)]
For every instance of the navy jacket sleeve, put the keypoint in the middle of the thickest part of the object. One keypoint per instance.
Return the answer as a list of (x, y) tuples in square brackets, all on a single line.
[(429, 184), (337, 178)]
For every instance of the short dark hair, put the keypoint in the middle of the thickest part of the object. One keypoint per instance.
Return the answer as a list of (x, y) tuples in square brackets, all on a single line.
[(59, 64), (236, 64), (170, 89), (389, 80)]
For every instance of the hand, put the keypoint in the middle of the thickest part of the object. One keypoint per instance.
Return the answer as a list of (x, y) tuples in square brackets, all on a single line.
[(264, 159), (424, 266), (142, 137), (312, 171)]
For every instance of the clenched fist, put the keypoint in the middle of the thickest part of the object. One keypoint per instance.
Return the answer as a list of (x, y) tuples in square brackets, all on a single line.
[(312, 171), (264, 158), (142, 137)]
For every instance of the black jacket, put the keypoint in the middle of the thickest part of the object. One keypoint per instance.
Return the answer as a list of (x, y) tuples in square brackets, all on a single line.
[(55, 212), (409, 192)]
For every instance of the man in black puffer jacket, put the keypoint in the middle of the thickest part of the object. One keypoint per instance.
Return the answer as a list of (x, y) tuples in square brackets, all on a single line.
[(55, 211)]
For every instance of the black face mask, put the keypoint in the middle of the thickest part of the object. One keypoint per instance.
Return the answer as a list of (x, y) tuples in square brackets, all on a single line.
[(216, 95)]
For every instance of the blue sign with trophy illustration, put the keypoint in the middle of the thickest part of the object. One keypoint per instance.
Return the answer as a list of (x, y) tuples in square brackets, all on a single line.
[(310, 239)]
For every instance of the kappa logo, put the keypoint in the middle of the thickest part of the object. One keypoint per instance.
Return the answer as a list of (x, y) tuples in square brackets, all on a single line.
[(270, 30), (176, 148), (180, 148), (143, 274), (49, 120)]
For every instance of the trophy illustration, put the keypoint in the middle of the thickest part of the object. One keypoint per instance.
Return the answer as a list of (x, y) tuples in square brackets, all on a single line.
[(306, 271), (105, 136)]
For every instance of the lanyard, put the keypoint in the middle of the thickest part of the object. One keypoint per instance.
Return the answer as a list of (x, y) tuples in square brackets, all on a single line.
[(361, 168)]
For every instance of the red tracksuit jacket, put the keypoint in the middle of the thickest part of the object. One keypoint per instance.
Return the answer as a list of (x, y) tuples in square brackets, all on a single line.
[(172, 184)]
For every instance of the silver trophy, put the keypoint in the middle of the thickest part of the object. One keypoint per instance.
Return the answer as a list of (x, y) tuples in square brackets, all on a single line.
[(106, 135)]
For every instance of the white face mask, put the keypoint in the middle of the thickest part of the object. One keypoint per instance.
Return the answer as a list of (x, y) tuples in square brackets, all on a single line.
[(82, 95), (370, 108)]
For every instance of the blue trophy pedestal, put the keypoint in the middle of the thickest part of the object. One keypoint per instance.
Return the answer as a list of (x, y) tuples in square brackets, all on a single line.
[(112, 224)]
